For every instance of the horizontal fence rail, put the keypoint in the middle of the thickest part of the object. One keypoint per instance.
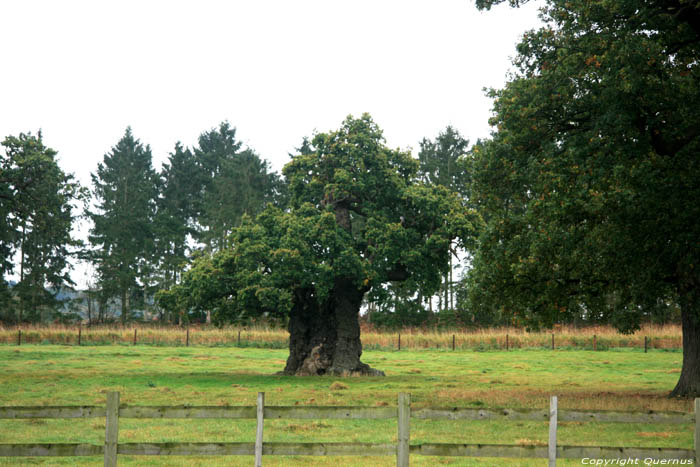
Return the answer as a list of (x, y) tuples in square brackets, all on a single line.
[(402, 449)]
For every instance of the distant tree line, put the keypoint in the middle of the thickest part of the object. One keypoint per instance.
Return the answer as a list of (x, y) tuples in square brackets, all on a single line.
[(148, 227)]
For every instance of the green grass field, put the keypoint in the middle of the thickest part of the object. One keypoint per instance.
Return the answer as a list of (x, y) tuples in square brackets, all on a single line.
[(624, 379)]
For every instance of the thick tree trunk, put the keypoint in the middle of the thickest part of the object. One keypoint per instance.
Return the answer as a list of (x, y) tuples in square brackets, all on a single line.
[(325, 338), (689, 381)]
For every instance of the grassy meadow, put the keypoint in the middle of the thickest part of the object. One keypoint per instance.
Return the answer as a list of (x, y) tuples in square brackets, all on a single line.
[(566, 337), (624, 379)]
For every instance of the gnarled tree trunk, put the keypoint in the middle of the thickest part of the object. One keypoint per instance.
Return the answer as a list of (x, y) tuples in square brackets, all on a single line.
[(325, 338)]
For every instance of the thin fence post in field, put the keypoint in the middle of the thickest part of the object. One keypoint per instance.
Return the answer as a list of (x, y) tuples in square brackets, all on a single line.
[(552, 447), (696, 439), (506, 342), (187, 339), (239, 338), (595, 344), (399, 341), (453, 341), (112, 429), (80, 331), (19, 337), (404, 434), (645, 344), (134, 336), (552, 341), (259, 431)]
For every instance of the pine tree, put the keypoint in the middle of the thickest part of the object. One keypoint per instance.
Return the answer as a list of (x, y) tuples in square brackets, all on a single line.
[(236, 182), (125, 188), (36, 199), (442, 162), (178, 204)]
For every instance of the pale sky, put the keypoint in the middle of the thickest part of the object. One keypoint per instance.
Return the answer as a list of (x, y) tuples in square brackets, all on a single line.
[(82, 71)]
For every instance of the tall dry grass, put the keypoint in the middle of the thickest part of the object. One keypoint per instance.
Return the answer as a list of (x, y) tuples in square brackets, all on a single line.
[(659, 337)]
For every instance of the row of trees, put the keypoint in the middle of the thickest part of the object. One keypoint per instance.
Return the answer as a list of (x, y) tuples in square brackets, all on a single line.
[(147, 225)]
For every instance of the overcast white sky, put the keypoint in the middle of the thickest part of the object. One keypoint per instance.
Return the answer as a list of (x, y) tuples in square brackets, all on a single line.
[(82, 71)]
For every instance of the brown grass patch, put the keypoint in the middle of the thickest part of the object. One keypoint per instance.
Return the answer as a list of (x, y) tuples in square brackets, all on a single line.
[(649, 434), (530, 442), (659, 337), (37, 421), (295, 428), (338, 386)]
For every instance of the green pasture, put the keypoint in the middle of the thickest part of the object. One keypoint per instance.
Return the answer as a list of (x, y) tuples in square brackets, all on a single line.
[(625, 379)]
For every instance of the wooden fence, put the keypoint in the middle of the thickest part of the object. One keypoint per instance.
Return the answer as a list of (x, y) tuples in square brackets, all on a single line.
[(501, 342), (402, 449)]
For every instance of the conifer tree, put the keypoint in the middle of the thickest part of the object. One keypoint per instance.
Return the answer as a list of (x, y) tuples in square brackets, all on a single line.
[(125, 188), (36, 199), (236, 182)]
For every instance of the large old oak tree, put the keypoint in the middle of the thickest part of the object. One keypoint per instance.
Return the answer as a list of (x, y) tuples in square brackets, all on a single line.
[(357, 218), (590, 186)]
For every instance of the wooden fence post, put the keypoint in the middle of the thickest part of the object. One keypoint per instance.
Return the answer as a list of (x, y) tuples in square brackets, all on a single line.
[(187, 339), (453, 341), (259, 432), (595, 344), (80, 331), (19, 337), (404, 435), (239, 338), (399, 341), (506, 342), (552, 447), (112, 429), (552, 341), (645, 344), (696, 444), (134, 336)]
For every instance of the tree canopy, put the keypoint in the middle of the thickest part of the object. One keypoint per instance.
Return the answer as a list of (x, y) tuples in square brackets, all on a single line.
[(590, 183), (357, 218)]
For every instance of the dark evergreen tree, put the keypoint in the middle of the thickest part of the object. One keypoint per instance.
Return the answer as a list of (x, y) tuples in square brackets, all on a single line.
[(36, 198), (178, 205), (236, 182), (443, 163), (125, 189), (179, 202)]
